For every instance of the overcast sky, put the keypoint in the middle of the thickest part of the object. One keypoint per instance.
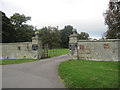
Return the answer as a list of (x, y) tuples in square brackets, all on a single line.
[(84, 15)]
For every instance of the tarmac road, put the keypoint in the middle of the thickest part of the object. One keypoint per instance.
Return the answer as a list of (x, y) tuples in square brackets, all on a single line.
[(38, 74)]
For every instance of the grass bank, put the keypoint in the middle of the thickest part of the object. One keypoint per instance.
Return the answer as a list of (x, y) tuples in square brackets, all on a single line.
[(14, 61), (89, 74)]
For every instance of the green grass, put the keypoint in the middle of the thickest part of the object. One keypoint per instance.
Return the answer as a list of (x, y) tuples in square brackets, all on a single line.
[(14, 61), (89, 74), (56, 52)]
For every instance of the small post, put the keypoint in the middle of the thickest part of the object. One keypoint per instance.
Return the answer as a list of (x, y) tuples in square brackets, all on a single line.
[(58, 51), (44, 50), (50, 52), (53, 51), (47, 50)]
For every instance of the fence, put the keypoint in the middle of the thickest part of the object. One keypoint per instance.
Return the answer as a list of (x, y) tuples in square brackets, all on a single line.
[(46, 52)]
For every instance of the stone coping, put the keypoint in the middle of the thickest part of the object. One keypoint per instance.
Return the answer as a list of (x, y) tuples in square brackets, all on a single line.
[(106, 40), (16, 43), (73, 35)]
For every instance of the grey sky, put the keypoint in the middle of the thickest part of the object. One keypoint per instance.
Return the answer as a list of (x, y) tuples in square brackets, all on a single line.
[(84, 15)]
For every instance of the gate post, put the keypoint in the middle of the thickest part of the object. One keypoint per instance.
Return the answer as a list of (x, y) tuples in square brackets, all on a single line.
[(73, 44), (37, 46)]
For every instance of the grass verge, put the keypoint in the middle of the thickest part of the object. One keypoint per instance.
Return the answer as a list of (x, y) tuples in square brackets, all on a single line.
[(89, 74), (14, 61)]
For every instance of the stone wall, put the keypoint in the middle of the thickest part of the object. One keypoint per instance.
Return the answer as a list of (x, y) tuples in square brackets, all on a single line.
[(98, 50), (20, 50), (17, 50), (103, 50)]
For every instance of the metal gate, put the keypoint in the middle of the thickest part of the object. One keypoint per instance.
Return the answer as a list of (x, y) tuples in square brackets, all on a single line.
[(45, 51)]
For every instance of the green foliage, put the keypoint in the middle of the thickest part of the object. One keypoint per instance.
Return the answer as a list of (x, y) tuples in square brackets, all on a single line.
[(89, 74), (112, 20), (23, 32), (58, 38), (50, 36), (15, 29), (54, 37), (83, 36), (65, 33), (8, 31), (18, 19), (14, 61), (56, 52)]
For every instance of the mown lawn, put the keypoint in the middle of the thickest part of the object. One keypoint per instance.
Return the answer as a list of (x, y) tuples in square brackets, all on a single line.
[(89, 74), (14, 61), (56, 52)]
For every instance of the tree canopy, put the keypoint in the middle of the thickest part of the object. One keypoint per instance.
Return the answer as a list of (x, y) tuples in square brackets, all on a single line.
[(18, 19), (8, 31), (83, 36), (23, 31), (51, 36), (112, 20), (64, 34), (16, 29)]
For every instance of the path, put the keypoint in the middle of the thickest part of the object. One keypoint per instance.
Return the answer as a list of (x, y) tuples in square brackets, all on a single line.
[(37, 74)]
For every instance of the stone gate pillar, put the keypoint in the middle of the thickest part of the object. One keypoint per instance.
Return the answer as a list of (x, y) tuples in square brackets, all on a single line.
[(37, 46), (73, 42)]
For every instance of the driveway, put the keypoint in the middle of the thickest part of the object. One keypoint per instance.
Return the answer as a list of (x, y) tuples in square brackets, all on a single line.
[(37, 74)]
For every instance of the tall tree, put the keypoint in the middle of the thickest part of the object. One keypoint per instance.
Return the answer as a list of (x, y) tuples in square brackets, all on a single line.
[(112, 20), (8, 31), (24, 32), (51, 36), (65, 33), (18, 19)]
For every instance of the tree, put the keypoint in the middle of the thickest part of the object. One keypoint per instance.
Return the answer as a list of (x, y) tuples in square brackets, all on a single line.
[(55, 38), (24, 32), (8, 31), (83, 36), (112, 20), (65, 33), (44, 33), (51, 36), (18, 19)]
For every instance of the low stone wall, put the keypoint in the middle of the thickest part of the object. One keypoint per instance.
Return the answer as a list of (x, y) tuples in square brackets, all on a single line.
[(17, 50), (100, 50)]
